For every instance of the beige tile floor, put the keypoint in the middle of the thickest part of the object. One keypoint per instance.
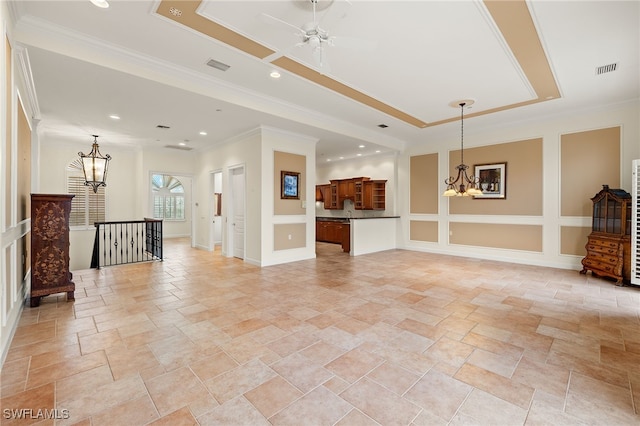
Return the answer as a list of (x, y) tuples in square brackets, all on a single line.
[(393, 338)]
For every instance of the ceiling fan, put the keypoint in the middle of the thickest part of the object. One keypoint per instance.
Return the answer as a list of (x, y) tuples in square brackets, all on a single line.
[(313, 36)]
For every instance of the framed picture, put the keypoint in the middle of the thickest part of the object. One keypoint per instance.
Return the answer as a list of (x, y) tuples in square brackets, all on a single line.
[(492, 180), (290, 185)]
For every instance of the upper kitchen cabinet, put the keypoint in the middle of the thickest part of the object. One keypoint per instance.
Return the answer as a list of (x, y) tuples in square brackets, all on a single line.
[(366, 194)]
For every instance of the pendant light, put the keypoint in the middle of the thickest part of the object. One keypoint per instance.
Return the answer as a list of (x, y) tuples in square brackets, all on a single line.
[(94, 166), (462, 184)]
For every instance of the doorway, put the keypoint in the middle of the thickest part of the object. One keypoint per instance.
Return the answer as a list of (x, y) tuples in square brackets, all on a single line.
[(215, 212), (236, 213)]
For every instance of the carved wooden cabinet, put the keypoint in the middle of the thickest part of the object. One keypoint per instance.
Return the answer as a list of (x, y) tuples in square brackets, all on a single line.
[(50, 246), (608, 246)]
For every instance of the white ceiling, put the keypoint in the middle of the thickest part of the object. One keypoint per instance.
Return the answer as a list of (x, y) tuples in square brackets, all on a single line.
[(88, 63)]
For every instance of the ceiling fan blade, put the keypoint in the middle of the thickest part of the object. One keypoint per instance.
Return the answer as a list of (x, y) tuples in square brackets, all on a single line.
[(353, 43), (279, 23)]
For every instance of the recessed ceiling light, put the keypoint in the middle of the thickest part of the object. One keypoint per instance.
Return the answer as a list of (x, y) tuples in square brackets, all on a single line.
[(377, 151), (182, 144), (275, 74), (359, 155), (342, 158), (328, 159), (100, 3), (360, 146), (114, 117), (203, 133)]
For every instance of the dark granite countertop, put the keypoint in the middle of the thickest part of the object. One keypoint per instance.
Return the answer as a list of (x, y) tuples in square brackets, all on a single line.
[(346, 219)]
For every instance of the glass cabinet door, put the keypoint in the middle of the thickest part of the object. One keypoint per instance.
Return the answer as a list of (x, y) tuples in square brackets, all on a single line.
[(598, 216)]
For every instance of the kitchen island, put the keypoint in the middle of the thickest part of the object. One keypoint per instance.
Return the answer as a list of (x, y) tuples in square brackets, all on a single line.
[(365, 234)]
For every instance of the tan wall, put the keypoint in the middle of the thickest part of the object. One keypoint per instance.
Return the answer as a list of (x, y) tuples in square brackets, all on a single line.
[(523, 179), (573, 240), (423, 230), (588, 160), (513, 237), (284, 161), (281, 233), (424, 184)]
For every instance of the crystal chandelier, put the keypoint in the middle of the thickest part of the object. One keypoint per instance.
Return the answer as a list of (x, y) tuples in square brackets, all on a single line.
[(94, 166), (462, 184)]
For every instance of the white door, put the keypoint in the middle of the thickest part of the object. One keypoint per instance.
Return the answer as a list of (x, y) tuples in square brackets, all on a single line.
[(237, 219)]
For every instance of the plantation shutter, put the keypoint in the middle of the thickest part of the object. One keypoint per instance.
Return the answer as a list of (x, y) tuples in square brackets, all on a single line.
[(87, 207)]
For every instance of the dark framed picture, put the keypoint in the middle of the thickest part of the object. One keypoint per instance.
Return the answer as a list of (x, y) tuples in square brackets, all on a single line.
[(290, 185), (492, 180)]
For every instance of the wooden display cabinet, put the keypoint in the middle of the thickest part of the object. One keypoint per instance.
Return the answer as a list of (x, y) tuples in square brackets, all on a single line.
[(50, 246), (609, 244)]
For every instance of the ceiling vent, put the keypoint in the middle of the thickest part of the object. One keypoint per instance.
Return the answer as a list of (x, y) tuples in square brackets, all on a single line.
[(382, 126), (606, 68), (182, 148), (218, 65), (161, 126)]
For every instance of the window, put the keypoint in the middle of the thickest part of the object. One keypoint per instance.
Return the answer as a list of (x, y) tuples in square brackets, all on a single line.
[(87, 207), (168, 197)]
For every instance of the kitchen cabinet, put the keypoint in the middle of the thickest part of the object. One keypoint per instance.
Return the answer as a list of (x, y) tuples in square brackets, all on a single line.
[(336, 232), (365, 193), (373, 195), (609, 244), (334, 199)]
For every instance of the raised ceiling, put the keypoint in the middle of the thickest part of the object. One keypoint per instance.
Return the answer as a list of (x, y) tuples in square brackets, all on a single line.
[(146, 61)]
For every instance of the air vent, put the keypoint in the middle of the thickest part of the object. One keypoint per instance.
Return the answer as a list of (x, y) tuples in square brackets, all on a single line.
[(160, 126), (382, 126), (182, 148), (218, 65), (606, 68)]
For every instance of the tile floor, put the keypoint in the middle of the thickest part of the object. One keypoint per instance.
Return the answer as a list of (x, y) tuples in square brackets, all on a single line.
[(393, 338)]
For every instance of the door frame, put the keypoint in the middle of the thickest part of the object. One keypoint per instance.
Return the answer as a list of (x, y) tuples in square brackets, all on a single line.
[(230, 211)]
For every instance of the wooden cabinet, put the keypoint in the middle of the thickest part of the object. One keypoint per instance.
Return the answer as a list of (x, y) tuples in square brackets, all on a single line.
[(346, 189), (334, 200), (334, 232), (50, 246), (374, 195), (366, 194), (608, 246)]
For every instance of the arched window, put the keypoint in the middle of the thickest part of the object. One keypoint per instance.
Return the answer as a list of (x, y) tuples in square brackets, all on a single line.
[(168, 197), (87, 207)]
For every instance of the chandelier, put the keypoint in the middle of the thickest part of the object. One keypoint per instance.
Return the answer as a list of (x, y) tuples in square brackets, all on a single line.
[(94, 166), (462, 184)]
